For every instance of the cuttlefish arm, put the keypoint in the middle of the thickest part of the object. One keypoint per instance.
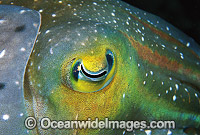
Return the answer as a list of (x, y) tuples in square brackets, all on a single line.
[(18, 30)]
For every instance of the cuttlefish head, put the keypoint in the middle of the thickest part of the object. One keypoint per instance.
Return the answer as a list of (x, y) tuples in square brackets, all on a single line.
[(82, 69), (74, 73), (86, 70)]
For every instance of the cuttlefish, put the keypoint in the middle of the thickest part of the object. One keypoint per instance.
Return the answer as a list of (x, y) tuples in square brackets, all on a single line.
[(80, 59)]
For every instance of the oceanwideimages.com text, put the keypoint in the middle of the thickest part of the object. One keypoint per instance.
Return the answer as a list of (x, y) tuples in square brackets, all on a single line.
[(47, 123)]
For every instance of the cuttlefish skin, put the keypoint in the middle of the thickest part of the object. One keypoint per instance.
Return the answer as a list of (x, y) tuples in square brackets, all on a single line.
[(155, 73), (18, 29)]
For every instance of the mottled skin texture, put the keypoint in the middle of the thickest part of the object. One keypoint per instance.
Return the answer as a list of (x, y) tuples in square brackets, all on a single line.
[(18, 30), (155, 75)]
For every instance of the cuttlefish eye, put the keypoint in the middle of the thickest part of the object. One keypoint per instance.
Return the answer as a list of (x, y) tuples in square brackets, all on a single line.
[(77, 77)]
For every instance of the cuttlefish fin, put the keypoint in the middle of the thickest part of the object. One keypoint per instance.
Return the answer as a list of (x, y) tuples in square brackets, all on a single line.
[(18, 31)]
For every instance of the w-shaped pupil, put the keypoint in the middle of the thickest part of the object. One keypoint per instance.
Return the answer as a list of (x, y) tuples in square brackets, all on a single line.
[(93, 75)]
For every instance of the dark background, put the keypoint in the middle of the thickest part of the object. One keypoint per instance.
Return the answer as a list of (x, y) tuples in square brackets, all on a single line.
[(183, 14)]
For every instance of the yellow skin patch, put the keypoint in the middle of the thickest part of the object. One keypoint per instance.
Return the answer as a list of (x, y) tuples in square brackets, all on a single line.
[(95, 63), (76, 105)]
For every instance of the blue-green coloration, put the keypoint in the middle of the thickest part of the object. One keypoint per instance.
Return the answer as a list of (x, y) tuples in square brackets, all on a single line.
[(95, 58)]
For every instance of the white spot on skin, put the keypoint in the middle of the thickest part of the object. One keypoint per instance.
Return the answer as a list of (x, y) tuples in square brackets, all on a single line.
[(53, 15), (38, 67), (188, 44), (186, 89), (144, 82), (176, 85), (94, 3), (2, 53), (169, 132), (142, 38), (47, 31), (6, 117), (41, 10), (51, 50), (182, 57), (181, 54), (174, 98), (163, 46), (139, 30), (143, 28), (21, 114), (167, 28), (23, 49), (113, 14), (151, 72), (22, 11), (127, 23), (148, 132), (17, 82)]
